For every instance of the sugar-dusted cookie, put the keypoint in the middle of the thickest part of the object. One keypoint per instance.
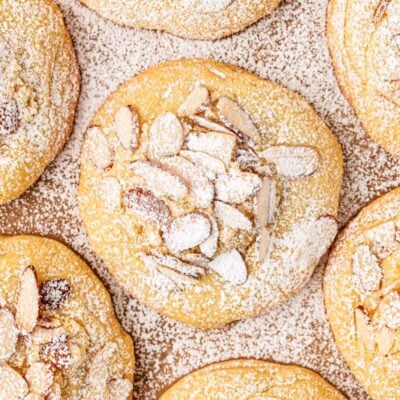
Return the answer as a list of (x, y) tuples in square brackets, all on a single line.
[(39, 86), (362, 295), (210, 193), (192, 19), (252, 380), (59, 337), (364, 39)]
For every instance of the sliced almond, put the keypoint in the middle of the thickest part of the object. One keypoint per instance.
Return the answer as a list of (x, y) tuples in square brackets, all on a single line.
[(99, 366), (12, 385), (8, 334), (179, 281), (187, 232), (388, 311), (77, 354), (40, 378), (364, 329), (209, 125), (54, 293), (292, 162), (231, 267), (236, 186), (110, 191), (57, 352), (147, 206), (166, 136), (201, 189), (246, 157), (195, 259), (264, 244), (120, 389), (385, 339), (233, 115), (265, 203), (98, 150), (127, 127), (42, 335), (367, 271), (159, 181), (9, 117), (383, 237), (28, 301), (380, 10), (216, 144), (231, 217), (210, 245), (196, 102), (209, 165)]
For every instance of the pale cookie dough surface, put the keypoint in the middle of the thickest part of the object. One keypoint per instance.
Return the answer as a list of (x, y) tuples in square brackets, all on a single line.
[(192, 19), (145, 218), (362, 295), (59, 337), (364, 39), (39, 86), (252, 380)]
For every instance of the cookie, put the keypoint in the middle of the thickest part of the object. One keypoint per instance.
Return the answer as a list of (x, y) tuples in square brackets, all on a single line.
[(252, 380), (210, 193), (192, 19), (39, 86), (59, 337), (364, 40), (362, 296)]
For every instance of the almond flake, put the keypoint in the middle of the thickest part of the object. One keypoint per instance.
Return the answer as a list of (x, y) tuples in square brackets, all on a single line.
[(166, 136), (110, 191), (77, 354), (292, 162), (187, 232), (98, 150), (12, 385), (8, 334), (216, 144), (236, 187), (147, 206), (57, 352), (180, 281), (231, 267), (210, 125), (364, 329), (195, 259), (231, 217), (42, 335), (54, 293), (381, 10), (367, 271), (9, 117), (237, 119), (127, 127), (385, 339), (209, 246), (264, 244), (40, 378), (120, 389), (196, 102), (388, 311), (200, 188), (265, 203), (383, 239), (27, 309), (209, 165), (246, 157)]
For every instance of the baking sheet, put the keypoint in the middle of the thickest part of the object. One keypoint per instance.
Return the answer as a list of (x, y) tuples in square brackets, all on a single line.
[(288, 47)]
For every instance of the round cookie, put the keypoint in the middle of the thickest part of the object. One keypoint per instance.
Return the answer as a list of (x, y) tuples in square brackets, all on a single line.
[(210, 193), (192, 19), (39, 87), (364, 40), (59, 337), (362, 296), (252, 380)]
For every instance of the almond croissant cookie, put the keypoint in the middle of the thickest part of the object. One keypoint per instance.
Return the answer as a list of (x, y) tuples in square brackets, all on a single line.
[(210, 193), (364, 39), (362, 295), (252, 380), (192, 19), (39, 85), (59, 338)]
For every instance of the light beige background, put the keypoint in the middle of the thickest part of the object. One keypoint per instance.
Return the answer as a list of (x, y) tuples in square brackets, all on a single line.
[(288, 47)]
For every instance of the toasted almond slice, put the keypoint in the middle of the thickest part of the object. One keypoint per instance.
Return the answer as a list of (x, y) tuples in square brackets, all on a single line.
[(236, 186), (110, 191), (120, 389), (231, 267), (231, 217), (247, 158), (12, 385), (40, 378), (187, 232), (209, 246), (77, 354), (233, 115), (195, 259), (57, 352), (9, 117), (364, 329), (165, 260), (292, 162), (166, 136), (147, 206), (98, 150), (127, 127), (28, 301), (264, 244), (367, 271), (200, 188), (8, 334), (159, 181), (41, 335), (385, 339), (196, 102), (383, 237), (216, 144), (209, 165), (54, 293), (388, 311), (210, 125), (264, 202)]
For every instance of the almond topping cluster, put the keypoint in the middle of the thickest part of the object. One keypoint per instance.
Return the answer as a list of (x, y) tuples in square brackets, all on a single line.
[(210, 155)]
